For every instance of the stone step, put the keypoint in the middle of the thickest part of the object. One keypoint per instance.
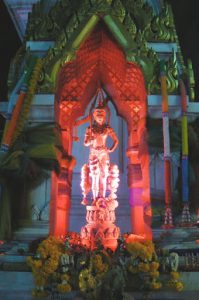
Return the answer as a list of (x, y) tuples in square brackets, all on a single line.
[(38, 229), (18, 286), (30, 232)]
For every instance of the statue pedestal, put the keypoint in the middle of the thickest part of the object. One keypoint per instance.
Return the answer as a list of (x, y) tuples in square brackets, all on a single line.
[(101, 227)]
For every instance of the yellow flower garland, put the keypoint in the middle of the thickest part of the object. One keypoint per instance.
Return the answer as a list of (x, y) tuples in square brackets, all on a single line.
[(175, 282), (47, 268), (46, 263)]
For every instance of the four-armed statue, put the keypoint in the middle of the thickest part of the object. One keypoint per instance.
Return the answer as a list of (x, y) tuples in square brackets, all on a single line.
[(100, 176)]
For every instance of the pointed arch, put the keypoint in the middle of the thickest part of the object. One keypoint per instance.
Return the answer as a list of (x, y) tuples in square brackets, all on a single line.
[(101, 59)]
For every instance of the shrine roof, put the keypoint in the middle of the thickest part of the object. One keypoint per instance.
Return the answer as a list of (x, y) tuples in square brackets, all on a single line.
[(141, 28), (19, 10)]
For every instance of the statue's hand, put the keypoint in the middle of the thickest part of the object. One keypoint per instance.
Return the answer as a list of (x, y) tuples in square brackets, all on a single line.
[(110, 150), (89, 138)]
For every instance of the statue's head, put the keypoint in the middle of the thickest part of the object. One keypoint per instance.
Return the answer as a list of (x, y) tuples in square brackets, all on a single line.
[(99, 115), (101, 110)]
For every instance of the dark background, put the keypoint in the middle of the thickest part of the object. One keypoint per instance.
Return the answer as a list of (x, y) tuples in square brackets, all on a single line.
[(9, 44), (186, 17)]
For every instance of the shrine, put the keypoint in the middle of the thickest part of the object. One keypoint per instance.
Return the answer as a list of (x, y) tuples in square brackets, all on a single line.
[(66, 63), (101, 112)]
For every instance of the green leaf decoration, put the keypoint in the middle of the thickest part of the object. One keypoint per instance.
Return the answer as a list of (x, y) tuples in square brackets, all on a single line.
[(12, 161), (42, 134), (46, 151), (37, 150)]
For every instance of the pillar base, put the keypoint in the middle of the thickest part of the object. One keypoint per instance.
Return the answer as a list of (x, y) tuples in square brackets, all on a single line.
[(186, 216), (168, 219)]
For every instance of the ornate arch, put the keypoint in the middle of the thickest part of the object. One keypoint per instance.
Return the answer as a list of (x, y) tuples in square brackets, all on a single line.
[(100, 59)]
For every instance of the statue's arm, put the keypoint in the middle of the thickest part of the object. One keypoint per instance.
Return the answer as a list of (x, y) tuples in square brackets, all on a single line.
[(113, 135), (82, 121), (88, 139)]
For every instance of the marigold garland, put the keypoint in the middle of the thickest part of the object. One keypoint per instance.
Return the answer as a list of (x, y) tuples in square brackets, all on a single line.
[(175, 283), (66, 265), (46, 262), (143, 250), (64, 288)]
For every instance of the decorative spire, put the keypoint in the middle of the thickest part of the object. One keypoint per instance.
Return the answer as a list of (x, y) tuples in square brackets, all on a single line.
[(101, 100)]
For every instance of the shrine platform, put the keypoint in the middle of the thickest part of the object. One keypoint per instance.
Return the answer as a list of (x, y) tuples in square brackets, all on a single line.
[(182, 240), (16, 281)]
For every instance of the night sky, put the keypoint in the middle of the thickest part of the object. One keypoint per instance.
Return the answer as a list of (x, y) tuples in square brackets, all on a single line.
[(187, 24), (9, 44)]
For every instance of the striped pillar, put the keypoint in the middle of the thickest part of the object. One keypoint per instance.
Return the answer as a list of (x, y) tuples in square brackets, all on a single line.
[(10, 128), (168, 220), (186, 217), (13, 116)]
